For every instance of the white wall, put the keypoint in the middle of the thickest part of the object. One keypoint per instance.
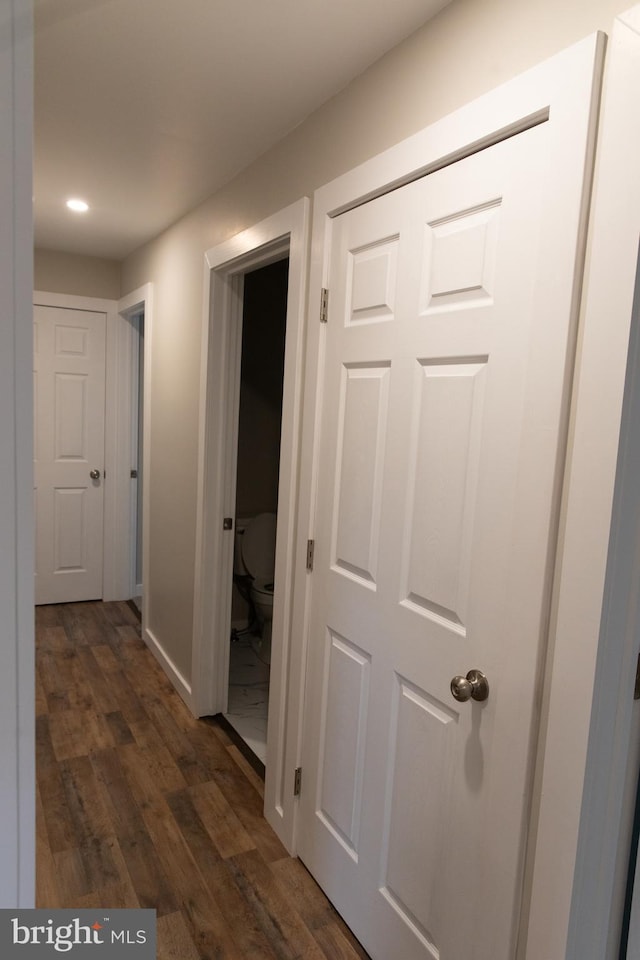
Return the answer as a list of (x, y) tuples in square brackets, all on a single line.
[(71, 273), (471, 47), (17, 781)]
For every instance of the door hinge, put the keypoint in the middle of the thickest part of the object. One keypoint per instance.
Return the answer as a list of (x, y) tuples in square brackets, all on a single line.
[(297, 781), (227, 523), (324, 305), (636, 692), (133, 474), (311, 545)]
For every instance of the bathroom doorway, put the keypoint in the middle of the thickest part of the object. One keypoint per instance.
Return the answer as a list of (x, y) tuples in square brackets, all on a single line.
[(282, 235), (264, 315)]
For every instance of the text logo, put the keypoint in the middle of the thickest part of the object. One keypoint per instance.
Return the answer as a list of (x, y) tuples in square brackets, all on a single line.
[(27, 934)]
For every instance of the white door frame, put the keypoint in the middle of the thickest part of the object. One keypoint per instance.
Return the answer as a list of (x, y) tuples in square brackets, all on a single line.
[(286, 232), (108, 308), (134, 303), (17, 776), (117, 558), (597, 618), (540, 95)]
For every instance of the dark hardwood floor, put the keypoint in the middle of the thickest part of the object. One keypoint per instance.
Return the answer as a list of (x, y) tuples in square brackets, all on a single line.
[(141, 805)]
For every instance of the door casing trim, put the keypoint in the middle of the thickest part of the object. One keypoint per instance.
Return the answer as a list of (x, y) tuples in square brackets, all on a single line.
[(117, 559), (134, 303), (285, 232), (599, 616)]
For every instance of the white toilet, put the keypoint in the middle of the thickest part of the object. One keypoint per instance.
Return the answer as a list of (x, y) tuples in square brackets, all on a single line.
[(258, 552)]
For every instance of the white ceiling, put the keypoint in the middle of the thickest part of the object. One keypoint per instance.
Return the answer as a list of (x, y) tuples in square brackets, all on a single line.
[(146, 107)]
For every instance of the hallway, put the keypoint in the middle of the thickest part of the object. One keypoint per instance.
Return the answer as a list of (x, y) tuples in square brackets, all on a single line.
[(140, 805)]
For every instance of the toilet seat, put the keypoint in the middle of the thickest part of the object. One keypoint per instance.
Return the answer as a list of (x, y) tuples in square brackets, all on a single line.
[(259, 557), (263, 586)]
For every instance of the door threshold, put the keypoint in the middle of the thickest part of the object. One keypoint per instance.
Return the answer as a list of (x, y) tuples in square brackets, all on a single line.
[(232, 725)]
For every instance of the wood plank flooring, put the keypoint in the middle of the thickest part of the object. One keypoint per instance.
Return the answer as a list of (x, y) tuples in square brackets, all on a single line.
[(140, 805)]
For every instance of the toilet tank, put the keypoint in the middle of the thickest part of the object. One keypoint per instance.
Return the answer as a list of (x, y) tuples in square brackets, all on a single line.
[(259, 546)]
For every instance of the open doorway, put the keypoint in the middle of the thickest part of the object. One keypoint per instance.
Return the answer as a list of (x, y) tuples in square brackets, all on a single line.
[(264, 317), (133, 428), (282, 236), (137, 434)]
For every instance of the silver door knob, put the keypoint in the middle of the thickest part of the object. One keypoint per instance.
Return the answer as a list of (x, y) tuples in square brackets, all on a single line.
[(474, 686), (94, 474)]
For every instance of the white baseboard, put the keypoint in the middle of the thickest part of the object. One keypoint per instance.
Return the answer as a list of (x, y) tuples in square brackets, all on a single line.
[(179, 682)]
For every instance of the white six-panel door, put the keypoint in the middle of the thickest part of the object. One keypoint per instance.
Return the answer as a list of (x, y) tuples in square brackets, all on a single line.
[(434, 525), (69, 402)]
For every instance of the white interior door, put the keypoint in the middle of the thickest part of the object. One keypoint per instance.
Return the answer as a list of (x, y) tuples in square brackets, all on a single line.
[(69, 402), (439, 466)]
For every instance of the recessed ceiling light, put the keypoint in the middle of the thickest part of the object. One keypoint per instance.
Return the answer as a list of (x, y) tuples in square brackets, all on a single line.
[(78, 206)]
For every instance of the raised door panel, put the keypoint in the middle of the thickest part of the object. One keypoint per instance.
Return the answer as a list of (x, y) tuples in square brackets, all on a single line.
[(343, 737), (460, 258), (420, 774), (361, 436), (71, 396), (442, 486), (371, 290), (70, 530)]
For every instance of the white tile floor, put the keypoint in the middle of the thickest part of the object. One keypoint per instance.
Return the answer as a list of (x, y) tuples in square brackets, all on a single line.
[(248, 697)]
